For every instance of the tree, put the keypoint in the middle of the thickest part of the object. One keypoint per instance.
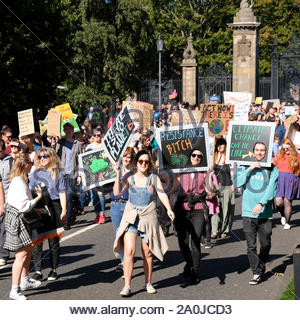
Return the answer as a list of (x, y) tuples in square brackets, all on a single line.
[(33, 54)]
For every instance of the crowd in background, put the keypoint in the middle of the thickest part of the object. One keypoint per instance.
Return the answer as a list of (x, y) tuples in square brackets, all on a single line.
[(206, 198)]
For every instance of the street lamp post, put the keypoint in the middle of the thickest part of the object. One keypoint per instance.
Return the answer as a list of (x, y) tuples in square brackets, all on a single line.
[(160, 47)]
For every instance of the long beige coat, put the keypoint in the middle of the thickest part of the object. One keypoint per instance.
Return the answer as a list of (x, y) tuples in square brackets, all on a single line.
[(148, 224)]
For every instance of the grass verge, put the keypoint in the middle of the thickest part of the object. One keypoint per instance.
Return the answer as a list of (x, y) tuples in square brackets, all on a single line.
[(289, 292)]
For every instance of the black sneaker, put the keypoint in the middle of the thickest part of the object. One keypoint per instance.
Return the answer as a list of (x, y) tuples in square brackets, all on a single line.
[(255, 280), (52, 275), (67, 226), (186, 271), (119, 268), (37, 276)]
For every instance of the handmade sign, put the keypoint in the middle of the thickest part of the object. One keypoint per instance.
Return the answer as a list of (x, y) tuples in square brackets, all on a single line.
[(218, 117), (67, 116), (242, 137), (289, 110), (272, 103), (119, 134), (291, 119), (294, 135), (26, 124), (95, 169), (258, 100), (241, 102), (141, 111), (54, 119), (176, 145)]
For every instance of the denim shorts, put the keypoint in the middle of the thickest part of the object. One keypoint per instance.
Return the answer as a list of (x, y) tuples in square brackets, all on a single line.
[(133, 228)]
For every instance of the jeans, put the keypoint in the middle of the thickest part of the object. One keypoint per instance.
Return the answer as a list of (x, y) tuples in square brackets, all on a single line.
[(189, 224), (82, 196), (116, 213), (54, 252), (71, 191), (98, 201), (263, 228)]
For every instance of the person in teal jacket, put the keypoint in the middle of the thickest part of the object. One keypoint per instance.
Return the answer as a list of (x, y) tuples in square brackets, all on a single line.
[(260, 185)]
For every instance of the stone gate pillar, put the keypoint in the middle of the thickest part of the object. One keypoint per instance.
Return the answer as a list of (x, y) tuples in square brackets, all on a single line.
[(189, 74), (245, 50)]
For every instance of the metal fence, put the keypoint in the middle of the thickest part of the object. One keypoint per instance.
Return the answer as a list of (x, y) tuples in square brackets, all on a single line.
[(264, 88)]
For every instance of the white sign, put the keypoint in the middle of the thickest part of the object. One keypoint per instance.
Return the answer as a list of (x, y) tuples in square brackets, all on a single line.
[(241, 102)]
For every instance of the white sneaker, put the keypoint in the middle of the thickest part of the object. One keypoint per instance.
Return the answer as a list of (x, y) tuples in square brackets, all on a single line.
[(150, 288), (3, 262), (125, 291), (287, 226), (30, 284), (17, 295), (283, 221)]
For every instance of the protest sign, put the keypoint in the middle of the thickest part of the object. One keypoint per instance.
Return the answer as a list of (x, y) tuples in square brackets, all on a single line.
[(95, 169), (214, 99), (176, 144), (241, 102), (242, 137), (258, 100), (218, 117), (67, 116), (290, 120), (26, 124), (184, 117), (141, 111), (271, 103), (289, 110), (119, 134), (54, 119)]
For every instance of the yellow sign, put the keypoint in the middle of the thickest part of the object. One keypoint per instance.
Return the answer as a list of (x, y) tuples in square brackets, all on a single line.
[(258, 100), (66, 111)]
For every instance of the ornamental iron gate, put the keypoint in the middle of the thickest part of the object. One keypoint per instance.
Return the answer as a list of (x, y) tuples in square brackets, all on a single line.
[(285, 82)]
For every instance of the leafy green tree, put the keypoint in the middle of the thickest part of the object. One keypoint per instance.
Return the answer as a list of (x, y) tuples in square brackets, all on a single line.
[(33, 53)]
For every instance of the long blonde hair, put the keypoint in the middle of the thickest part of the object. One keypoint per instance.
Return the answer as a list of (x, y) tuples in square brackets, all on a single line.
[(293, 159), (54, 166), (19, 168)]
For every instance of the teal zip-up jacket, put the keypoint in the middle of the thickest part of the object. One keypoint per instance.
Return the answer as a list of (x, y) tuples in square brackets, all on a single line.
[(259, 187)]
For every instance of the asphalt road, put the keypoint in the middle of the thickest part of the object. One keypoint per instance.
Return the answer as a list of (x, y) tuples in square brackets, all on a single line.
[(87, 266)]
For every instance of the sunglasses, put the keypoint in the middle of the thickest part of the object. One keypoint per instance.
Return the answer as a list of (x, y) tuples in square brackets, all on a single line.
[(97, 135), (144, 161), (14, 146), (285, 146), (44, 156), (199, 156), (8, 137)]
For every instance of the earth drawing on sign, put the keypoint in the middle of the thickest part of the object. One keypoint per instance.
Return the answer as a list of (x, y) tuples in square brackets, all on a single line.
[(216, 126)]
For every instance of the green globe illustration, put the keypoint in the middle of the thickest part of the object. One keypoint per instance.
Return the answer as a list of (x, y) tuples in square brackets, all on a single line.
[(216, 126)]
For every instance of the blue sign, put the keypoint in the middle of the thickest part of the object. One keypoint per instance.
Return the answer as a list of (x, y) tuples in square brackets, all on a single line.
[(214, 98)]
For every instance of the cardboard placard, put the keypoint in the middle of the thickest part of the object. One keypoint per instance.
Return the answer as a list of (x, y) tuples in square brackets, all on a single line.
[(241, 102), (26, 124), (141, 111), (258, 100), (67, 116), (176, 144), (242, 137), (290, 120), (274, 103), (119, 134), (54, 119), (95, 168), (218, 117), (289, 110)]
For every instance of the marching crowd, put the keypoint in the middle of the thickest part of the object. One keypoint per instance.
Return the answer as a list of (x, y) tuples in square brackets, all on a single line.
[(145, 201)]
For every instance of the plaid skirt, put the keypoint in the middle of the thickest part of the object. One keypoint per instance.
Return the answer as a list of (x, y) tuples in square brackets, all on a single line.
[(16, 236), (288, 186)]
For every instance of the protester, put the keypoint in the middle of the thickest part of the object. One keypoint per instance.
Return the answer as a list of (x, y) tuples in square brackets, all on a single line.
[(226, 193), (48, 173), (15, 147), (6, 135), (279, 130), (117, 204), (287, 161), (139, 218), (189, 215), (6, 163), (259, 191), (68, 150), (97, 193), (17, 237)]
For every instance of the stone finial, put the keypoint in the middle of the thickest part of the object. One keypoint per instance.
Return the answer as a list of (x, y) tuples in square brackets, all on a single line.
[(245, 14), (244, 4), (189, 52)]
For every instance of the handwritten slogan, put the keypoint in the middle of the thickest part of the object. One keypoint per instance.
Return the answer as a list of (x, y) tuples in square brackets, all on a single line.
[(119, 134), (176, 145), (218, 117), (242, 138), (95, 168), (26, 125)]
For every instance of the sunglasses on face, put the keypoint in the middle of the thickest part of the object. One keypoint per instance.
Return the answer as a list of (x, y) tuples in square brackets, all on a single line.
[(144, 161), (8, 137), (14, 146), (44, 156), (199, 156), (98, 135), (286, 147)]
